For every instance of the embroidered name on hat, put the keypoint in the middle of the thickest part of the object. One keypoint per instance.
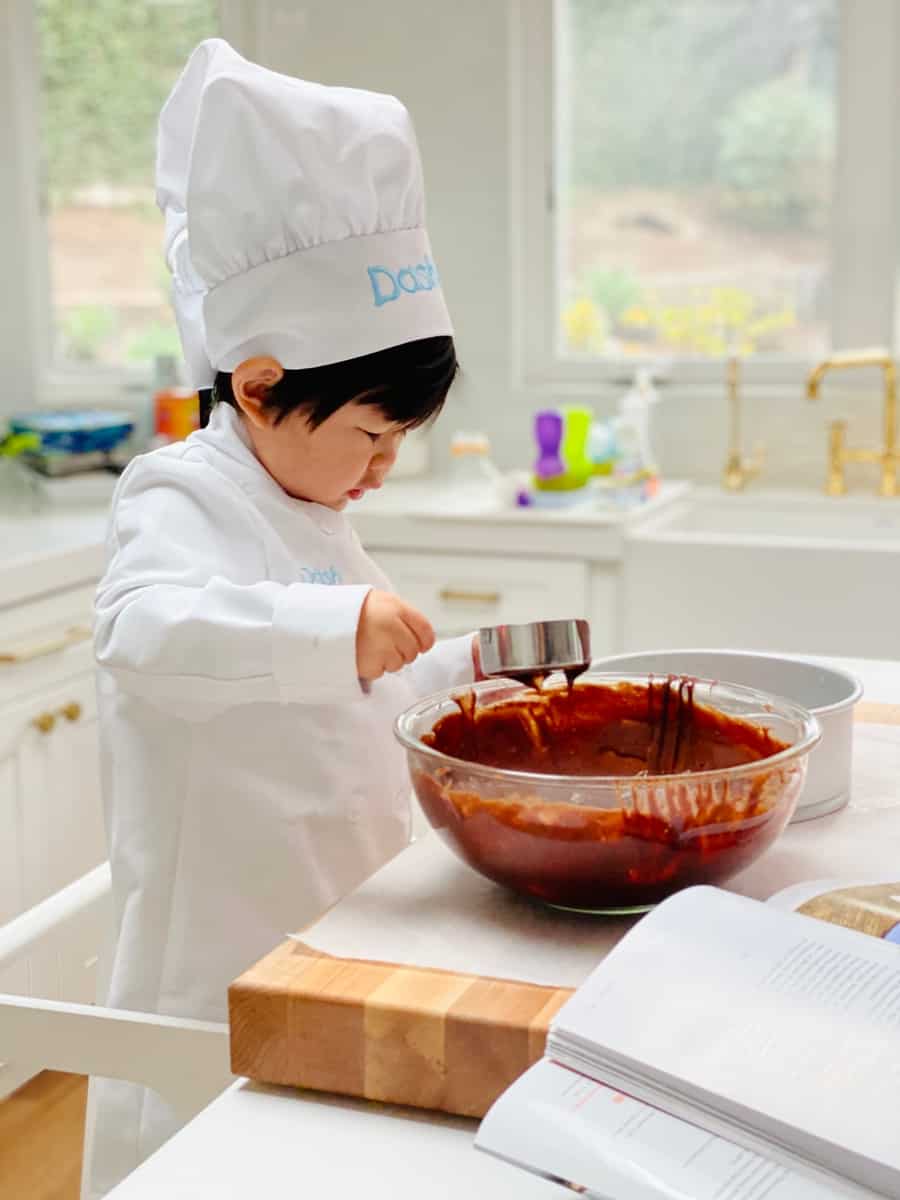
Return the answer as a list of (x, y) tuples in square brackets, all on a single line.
[(388, 285)]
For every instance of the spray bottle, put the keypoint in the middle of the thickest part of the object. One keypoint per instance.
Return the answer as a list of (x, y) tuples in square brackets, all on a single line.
[(636, 470)]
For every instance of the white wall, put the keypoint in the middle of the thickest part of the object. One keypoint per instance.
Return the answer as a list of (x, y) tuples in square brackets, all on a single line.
[(450, 61)]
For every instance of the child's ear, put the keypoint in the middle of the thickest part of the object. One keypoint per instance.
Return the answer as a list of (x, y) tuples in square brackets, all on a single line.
[(250, 384)]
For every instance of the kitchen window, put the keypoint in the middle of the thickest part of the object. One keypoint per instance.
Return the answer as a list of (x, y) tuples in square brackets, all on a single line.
[(84, 85), (104, 70), (644, 224), (705, 178)]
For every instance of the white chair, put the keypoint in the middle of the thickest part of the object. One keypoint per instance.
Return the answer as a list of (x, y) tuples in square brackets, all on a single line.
[(187, 1062)]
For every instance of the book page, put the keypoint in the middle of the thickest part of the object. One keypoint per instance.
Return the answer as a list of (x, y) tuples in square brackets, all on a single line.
[(787, 1025), (867, 906), (564, 1126)]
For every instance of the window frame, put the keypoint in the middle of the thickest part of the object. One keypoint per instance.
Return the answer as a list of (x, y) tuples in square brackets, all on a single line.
[(864, 235), (33, 377)]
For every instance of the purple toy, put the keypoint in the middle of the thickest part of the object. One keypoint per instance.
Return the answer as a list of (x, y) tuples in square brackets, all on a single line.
[(548, 433)]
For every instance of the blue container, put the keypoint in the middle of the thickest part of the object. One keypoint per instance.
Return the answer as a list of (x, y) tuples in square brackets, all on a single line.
[(74, 431)]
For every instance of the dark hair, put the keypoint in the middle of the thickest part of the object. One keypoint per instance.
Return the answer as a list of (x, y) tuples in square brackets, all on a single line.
[(408, 383), (204, 395)]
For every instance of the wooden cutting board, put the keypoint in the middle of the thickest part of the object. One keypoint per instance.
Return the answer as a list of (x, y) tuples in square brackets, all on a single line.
[(401, 1034), (408, 1035)]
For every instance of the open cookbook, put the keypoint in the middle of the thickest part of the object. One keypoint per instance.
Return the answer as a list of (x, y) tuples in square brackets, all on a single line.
[(725, 1049)]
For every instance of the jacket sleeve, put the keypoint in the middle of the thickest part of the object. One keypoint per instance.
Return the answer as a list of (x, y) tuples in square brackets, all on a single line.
[(182, 619), (447, 664)]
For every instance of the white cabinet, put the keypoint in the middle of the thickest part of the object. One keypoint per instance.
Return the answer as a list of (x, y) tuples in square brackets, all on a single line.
[(62, 834), (605, 609), (14, 979), (59, 787), (51, 822), (462, 592)]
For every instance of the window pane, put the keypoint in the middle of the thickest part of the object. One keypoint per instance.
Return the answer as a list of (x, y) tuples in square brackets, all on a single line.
[(106, 68), (697, 160)]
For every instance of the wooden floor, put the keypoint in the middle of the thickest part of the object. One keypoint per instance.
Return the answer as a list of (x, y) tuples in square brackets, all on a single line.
[(41, 1130)]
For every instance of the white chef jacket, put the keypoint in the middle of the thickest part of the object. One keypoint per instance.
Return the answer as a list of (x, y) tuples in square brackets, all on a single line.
[(249, 781)]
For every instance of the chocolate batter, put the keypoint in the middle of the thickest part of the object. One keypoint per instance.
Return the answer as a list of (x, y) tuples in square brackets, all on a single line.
[(658, 836)]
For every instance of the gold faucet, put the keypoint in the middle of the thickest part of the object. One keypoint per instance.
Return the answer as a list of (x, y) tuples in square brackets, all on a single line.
[(737, 471), (839, 454)]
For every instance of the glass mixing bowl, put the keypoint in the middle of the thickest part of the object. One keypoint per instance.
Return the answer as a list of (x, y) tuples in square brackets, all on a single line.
[(608, 796)]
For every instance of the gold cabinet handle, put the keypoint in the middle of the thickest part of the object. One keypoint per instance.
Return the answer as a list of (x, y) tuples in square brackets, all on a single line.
[(44, 722), (70, 638), (463, 596)]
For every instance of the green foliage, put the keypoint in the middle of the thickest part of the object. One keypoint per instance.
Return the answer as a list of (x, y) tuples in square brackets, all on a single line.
[(648, 79), (721, 321), (84, 330), (158, 340), (774, 154), (107, 66), (614, 290)]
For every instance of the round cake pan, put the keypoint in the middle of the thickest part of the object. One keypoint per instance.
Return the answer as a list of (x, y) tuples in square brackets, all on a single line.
[(828, 693)]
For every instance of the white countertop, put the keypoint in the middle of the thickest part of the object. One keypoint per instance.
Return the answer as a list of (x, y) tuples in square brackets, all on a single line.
[(59, 547), (49, 552), (62, 546), (439, 498), (281, 1144), (420, 514), (278, 1143)]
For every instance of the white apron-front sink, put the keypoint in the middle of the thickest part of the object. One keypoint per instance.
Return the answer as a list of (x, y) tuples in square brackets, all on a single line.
[(788, 571)]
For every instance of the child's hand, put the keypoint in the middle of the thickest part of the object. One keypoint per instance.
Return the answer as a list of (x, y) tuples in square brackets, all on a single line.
[(390, 634)]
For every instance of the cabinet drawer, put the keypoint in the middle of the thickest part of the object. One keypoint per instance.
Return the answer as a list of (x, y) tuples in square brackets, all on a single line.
[(43, 643), (58, 611), (58, 768), (40, 716), (459, 593)]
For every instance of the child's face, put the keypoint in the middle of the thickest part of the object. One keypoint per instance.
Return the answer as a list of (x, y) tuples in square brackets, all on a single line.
[(341, 459), (347, 455)]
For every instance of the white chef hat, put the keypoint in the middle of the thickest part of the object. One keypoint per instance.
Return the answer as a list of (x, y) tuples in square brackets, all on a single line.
[(294, 218)]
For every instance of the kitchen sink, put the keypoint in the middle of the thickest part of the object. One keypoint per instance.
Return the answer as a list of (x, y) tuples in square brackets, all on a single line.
[(777, 516), (789, 571)]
